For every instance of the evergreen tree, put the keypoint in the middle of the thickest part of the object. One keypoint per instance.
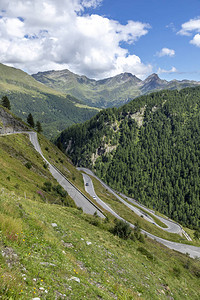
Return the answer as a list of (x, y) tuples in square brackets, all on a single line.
[(30, 120), (38, 127), (6, 102)]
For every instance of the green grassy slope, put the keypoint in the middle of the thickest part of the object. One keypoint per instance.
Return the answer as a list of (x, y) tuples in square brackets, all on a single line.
[(54, 251), (53, 109)]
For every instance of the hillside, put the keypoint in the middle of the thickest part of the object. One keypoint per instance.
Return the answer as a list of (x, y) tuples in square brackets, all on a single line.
[(148, 149), (53, 109), (109, 92), (52, 250)]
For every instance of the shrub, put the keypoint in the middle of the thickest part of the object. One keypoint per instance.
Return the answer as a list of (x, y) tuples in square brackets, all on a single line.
[(122, 229), (47, 186), (60, 191), (28, 165), (45, 165)]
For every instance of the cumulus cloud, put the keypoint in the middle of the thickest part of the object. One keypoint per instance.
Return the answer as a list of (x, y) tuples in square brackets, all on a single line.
[(196, 40), (192, 27), (166, 52), (46, 34), (173, 70)]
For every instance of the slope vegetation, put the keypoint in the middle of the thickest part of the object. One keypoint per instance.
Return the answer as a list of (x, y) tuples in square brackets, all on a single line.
[(148, 149), (53, 109), (51, 250)]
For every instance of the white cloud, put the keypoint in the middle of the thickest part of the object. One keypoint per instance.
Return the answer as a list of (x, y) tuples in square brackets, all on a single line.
[(42, 34), (190, 26), (166, 52), (161, 71), (196, 40)]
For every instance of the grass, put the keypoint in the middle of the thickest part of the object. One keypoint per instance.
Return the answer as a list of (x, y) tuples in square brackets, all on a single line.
[(16, 152), (130, 216), (51, 251), (46, 261), (156, 220)]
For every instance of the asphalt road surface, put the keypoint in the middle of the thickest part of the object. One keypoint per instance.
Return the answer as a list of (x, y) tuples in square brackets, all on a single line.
[(80, 199), (174, 227)]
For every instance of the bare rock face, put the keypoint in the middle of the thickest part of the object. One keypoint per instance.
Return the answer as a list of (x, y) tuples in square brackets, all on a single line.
[(9, 124)]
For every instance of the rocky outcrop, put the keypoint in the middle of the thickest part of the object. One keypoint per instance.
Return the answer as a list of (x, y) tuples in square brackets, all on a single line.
[(9, 124)]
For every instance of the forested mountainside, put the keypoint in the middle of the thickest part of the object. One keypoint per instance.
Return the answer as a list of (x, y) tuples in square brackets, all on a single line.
[(108, 92), (148, 148), (53, 109)]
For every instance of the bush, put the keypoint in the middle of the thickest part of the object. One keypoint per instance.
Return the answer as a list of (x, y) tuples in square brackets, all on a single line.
[(47, 186), (60, 191), (122, 229), (28, 165), (45, 165)]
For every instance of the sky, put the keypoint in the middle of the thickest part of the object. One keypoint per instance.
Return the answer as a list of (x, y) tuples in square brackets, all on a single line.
[(102, 38)]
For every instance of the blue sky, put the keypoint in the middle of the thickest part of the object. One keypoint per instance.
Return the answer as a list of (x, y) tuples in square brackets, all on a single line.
[(102, 38), (165, 18)]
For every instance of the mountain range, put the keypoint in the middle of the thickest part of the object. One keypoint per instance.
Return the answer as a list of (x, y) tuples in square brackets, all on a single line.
[(55, 110), (109, 92)]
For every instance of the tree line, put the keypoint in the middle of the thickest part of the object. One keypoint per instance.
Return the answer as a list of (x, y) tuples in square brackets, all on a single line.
[(156, 161), (5, 102)]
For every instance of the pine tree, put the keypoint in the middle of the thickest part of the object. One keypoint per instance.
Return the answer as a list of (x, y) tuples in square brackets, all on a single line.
[(38, 127), (30, 120), (6, 102)]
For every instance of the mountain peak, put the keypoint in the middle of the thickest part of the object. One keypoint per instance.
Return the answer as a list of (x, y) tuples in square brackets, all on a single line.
[(153, 82), (151, 77)]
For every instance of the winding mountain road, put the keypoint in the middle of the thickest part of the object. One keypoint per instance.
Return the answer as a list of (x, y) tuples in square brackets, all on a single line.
[(79, 198), (172, 226), (89, 207)]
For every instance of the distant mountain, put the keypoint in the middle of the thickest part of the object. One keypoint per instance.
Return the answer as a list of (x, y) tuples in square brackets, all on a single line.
[(149, 149), (109, 92), (52, 108)]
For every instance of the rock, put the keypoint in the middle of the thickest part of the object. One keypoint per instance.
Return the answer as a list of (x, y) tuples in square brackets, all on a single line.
[(88, 243), (75, 279), (10, 256), (47, 264), (54, 225), (10, 124), (67, 245)]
